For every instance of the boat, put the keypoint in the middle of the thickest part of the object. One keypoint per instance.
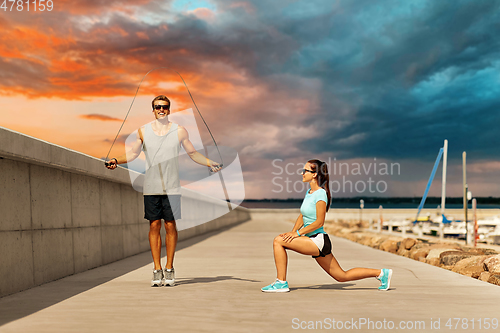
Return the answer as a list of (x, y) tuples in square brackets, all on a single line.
[(489, 230)]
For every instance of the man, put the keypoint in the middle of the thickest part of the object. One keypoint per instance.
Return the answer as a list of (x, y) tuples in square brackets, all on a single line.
[(161, 142)]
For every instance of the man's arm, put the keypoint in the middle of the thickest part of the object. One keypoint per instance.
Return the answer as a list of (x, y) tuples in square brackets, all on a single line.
[(130, 155), (193, 153)]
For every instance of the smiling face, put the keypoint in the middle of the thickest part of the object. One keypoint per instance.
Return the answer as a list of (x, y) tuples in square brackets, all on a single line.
[(307, 174), (161, 109)]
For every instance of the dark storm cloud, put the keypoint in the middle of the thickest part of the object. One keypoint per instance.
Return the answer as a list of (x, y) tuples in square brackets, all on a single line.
[(396, 78), (421, 78)]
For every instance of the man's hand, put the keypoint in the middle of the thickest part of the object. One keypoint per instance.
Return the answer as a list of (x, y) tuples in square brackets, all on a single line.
[(289, 236), (214, 166), (111, 164)]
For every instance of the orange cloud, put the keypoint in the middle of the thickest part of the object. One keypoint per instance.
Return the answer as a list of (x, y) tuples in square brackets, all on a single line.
[(101, 117), (204, 14)]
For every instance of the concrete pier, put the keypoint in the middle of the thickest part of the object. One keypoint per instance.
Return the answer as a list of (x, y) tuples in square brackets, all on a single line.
[(219, 276)]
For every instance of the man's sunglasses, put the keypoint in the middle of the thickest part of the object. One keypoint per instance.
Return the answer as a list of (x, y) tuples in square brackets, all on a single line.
[(305, 170), (165, 107)]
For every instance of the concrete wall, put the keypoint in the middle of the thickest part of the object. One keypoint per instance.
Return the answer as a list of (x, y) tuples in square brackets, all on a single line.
[(62, 212)]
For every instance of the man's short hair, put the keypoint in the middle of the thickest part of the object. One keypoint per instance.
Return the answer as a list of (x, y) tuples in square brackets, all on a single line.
[(160, 98)]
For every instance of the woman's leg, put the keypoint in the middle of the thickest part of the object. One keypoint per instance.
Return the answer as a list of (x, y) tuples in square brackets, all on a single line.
[(301, 245), (332, 267)]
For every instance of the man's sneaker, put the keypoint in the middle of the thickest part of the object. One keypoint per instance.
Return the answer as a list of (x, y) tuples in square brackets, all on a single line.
[(385, 279), (169, 277), (276, 287), (157, 280)]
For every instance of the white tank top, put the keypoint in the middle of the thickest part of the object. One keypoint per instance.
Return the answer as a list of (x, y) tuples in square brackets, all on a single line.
[(162, 161)]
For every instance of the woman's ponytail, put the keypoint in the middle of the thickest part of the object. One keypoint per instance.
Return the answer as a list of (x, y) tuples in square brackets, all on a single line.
[(323, 178)]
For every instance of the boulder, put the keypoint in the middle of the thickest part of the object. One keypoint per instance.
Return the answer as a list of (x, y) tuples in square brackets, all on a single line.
[(377, 240), (389, 246), (492, 264), (433, 261), (484, 276), (445, 246), (450, 258), (475, 251), (476, 274), (408, 243), (419, 254), (403, 252), (494, 279), (470, 266), (366, 240), (436, 252), (351, 237)]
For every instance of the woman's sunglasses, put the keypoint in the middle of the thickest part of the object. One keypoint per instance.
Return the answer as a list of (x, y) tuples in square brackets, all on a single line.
[(305, 170)]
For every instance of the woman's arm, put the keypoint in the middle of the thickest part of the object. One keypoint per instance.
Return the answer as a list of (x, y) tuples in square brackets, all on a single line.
[(298, 224), (288, 236), (320, 218)]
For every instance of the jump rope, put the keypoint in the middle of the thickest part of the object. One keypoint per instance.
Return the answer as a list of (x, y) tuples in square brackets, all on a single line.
[(196, 107), (192, 99)]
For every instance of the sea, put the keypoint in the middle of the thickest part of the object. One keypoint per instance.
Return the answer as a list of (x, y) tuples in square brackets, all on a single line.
[(402, 205)]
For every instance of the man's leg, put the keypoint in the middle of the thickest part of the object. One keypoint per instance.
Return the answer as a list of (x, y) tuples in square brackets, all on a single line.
[(155, 242), (171, 242)]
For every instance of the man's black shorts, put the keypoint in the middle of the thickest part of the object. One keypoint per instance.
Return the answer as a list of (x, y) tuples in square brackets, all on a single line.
[(166, 207)]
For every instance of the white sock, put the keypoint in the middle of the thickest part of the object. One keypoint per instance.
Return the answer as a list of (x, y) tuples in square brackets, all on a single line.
[(280, 281), (381, 273)]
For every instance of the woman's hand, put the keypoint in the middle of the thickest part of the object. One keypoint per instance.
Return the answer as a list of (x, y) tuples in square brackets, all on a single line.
[(289, 236)]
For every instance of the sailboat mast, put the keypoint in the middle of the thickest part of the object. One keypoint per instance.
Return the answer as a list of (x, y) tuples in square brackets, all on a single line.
[(443, 190)]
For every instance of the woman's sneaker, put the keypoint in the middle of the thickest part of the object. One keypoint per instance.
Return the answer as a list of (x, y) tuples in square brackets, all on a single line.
[(157, 280), (385, 279), (169, 277), (276, 287)]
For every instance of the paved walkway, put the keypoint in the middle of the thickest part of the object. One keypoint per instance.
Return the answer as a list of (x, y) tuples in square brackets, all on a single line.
[(218, 290)]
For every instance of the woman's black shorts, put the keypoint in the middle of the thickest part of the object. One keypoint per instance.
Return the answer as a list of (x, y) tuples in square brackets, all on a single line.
[(323, 243)]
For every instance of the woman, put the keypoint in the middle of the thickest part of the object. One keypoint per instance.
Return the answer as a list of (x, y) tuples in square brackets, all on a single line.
[(308, 237)]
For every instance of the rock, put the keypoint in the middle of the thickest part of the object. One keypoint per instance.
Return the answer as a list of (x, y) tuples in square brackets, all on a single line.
[(476, 251), (433, 261), (445, 246), (475, 275), (345, 231), (494, 279), (436, 253), (470, 266), (484, 276), (450, 258), (366, 240), (419, 254), (489, 252), (351, 237), (408, 243), (389, 246), (376, 241), (403, 252), (492, 264)]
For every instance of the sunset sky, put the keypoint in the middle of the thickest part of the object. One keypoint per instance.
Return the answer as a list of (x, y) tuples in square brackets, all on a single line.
[(366, 83)]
